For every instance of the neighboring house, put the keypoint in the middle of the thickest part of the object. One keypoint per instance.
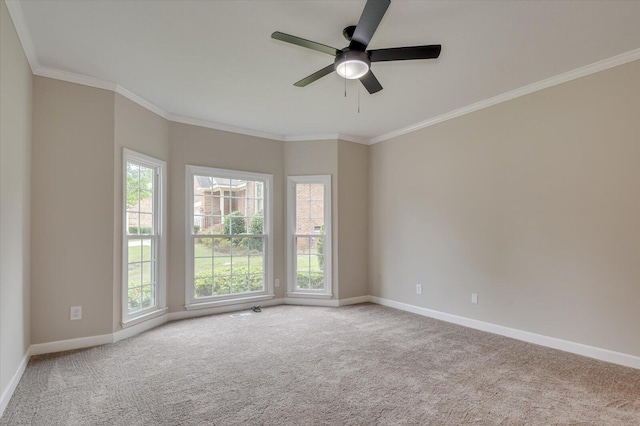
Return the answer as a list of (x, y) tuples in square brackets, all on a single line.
[(215, 198)]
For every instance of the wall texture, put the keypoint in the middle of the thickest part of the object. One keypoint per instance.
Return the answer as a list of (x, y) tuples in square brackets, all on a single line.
[(72, 210), (15, 196), (353, 199), (532, 204)]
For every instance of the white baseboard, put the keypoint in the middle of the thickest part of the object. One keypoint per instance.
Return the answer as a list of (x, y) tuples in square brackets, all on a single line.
[(302, 301), (538, 339), (70, 344), (133, 330), (125, 333), (7, 393), (551, 342), (86, 342), (174, 316), (354, 300)]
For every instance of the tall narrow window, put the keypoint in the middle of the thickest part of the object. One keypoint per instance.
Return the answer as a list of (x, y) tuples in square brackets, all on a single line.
[(309, 235), (143, 242), (229, 248)]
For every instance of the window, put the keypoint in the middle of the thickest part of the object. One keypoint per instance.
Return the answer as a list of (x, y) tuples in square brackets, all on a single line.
[(309, 235), (229, 249), (143, 242)]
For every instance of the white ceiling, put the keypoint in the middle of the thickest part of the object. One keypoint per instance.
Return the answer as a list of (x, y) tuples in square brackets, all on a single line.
[(215, 60)]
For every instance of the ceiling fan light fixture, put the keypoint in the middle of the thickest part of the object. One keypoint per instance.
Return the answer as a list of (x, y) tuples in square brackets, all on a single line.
[(352, 64)]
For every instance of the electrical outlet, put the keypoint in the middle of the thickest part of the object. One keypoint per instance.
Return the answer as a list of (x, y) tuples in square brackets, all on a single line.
[(418, 288), (474, 298), (75, 313), (277, 282)]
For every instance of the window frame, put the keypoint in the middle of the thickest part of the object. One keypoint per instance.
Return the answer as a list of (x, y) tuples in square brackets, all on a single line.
[(191, 302), (257, 206), (292, 290), (159, 225)]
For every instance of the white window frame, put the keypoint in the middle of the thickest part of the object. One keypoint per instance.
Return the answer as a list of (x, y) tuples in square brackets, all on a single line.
[(257, 202), (160, 225), (191, 302), (292, 291)]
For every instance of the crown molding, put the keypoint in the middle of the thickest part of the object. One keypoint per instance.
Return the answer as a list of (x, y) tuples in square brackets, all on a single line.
[(327, 136), (224, 127), (318, 137), (142, 102), (584, 71), (354, 139), (15, 12), (76, 78)]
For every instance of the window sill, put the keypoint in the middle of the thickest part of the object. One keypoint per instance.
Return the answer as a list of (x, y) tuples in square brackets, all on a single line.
[(309, 295), (144, 317), (225, 302)]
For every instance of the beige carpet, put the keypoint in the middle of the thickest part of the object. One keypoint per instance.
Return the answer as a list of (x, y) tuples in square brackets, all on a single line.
[(356, 365)]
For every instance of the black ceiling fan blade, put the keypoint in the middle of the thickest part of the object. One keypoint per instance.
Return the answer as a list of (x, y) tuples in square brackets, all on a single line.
[(315, 76), (305, 43), (371, 83), (405, 53), (371, 16)]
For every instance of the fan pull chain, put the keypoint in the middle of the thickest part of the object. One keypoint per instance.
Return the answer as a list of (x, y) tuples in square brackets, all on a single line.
[(345, 78), (358, 99)]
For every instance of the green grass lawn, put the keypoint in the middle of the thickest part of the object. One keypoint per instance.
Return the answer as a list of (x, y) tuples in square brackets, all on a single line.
[(203, 261)]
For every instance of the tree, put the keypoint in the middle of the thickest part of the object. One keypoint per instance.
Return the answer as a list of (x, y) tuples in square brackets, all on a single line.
[(234, 224), (138, 177), (256, 227), (257, 223)]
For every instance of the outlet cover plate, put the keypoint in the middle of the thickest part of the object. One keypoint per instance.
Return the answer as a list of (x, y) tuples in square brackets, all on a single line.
[(418, 288), (75, 313)]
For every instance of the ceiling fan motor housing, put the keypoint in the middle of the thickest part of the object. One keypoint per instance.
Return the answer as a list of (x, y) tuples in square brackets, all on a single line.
[(352, 64)]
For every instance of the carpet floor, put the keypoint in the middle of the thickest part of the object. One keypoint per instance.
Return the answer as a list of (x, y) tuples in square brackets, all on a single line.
[(355, 365)]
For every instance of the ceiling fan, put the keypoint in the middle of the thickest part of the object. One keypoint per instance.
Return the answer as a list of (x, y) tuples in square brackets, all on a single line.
[(354, 61)]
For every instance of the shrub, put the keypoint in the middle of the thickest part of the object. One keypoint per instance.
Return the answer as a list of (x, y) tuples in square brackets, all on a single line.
[(320, 248), (313, 280), (222, 245), (234, 224), (223, 283), (144, 230), (134, 298), (256, 227), (207, 242)]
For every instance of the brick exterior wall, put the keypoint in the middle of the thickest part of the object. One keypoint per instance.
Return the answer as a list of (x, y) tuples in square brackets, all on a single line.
[(209, 203)]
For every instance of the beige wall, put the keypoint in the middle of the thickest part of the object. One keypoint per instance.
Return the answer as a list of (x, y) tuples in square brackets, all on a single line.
[(318, 158), (138, 129), (72, 210), (199, 146), (15, 199), (532, 204), (353, 199)]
